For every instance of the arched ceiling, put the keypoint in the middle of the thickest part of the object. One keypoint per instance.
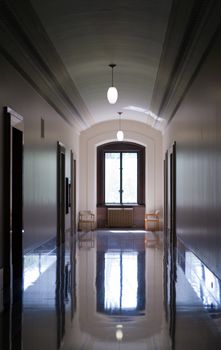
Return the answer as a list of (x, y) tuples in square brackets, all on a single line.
[(89, 35), (63, 48)]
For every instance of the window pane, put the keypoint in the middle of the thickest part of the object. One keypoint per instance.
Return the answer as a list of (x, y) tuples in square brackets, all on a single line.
[(129, 177), (112, 177)]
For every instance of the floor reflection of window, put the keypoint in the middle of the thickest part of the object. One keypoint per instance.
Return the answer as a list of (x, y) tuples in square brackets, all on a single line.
[(35, 265), (121, 280), (203, 281)]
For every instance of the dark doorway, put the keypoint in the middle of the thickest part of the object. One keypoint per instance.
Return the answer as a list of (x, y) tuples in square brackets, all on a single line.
[(71, 192), (74, 196), (13, 228), (13, 205), (170, 240), (61, 205), (60, 267)]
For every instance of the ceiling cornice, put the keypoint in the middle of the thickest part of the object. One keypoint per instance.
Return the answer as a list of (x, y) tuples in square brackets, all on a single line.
[(25, 44), (186, 46)]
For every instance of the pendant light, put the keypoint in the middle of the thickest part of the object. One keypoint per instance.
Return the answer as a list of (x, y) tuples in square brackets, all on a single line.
[(112, 94), (120, 134)]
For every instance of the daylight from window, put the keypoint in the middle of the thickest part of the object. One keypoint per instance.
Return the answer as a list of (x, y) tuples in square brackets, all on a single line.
[(203, 281), (112, 177), (121, 177), (129, 177)]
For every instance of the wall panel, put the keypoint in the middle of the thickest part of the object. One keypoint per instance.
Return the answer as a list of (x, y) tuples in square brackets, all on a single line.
[(196, 127), (39, 155)]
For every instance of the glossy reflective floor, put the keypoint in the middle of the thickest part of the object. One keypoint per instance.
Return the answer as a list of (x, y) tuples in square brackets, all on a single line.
[(114, 290)]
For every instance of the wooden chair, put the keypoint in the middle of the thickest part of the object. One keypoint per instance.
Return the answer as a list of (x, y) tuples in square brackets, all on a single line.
[(152, 221), (86, 225), (86, 220)]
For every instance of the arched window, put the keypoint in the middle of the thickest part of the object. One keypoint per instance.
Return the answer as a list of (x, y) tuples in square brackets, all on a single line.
[(120, 174)]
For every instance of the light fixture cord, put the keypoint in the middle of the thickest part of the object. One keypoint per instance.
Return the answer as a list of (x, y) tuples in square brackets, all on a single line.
[(112, 76), (120, 113)]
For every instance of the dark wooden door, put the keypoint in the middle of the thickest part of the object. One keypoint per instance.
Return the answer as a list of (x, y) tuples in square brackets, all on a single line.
[(13, 206), (61, 204)]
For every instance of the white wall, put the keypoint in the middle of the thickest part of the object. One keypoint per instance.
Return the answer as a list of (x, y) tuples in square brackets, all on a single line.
[(40, 155), (133, 132)]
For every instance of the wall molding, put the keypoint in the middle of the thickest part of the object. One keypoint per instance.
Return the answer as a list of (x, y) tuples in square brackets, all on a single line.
[(26, 46), (187, 44)]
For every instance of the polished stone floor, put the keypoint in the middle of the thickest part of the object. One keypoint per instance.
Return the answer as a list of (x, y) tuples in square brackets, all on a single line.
[(114, 290)]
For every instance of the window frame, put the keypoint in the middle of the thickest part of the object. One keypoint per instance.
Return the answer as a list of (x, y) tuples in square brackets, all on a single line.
[(121, 189), (120, 147)]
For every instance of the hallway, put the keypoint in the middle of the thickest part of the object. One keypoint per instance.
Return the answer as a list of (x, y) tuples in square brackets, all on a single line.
[(110, 112), (113, 296)]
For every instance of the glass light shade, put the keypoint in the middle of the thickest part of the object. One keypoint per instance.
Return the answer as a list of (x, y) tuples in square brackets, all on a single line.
[(120, 135), (112, 95)]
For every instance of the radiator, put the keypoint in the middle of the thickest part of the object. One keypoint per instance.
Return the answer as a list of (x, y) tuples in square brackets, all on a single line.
[(120, 217)]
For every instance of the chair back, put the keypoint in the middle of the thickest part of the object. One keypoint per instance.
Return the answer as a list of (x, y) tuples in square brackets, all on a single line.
[(85, 212)]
